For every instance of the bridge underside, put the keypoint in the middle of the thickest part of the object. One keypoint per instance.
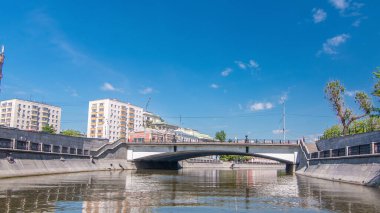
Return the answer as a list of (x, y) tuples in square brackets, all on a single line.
[(170, 160)]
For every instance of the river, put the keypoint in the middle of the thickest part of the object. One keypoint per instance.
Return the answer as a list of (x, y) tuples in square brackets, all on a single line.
[(186, 190)]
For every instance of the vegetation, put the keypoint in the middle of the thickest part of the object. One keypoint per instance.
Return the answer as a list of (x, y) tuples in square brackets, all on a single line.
[(376, 91), (48, 129), (71, 132), (361, 126), (235, 158), (221, 136), (334, 92)]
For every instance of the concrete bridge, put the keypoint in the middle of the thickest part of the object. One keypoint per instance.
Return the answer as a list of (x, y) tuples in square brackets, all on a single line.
[(167, 155)]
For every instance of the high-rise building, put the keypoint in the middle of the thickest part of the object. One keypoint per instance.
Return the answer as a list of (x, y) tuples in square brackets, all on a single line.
[(113, 119), (29, 115)]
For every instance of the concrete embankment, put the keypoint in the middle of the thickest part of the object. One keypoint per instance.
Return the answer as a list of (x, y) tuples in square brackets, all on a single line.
[(28, 164), (361, 169)]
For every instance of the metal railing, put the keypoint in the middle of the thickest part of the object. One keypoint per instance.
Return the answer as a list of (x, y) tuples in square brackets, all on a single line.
[(364, 149), (237, 141)]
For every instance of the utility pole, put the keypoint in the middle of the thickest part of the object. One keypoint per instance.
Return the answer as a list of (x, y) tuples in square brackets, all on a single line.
[(180, 128), (283, 121), (1, 63)]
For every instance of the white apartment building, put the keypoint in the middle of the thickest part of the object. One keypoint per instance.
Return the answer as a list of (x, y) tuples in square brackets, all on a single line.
[(29, 115), (113, 119)]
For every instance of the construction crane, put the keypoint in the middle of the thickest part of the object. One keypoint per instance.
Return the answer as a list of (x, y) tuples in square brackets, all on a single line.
[(1, 62)]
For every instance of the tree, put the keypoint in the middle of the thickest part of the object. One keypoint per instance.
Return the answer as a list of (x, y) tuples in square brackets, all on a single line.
[(48, 129), (376, 90), (235, 158), (71, 132), (221, 136), (334, 92), (359, 126), (332, 132)]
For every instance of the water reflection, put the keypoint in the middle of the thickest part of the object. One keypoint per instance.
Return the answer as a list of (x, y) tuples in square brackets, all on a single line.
[(185, 190)]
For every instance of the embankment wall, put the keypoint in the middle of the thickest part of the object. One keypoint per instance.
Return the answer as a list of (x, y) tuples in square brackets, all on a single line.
[(363, 170), (28, 164)]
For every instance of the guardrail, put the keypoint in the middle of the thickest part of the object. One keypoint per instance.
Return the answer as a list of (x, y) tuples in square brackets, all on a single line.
[(238, 141), (13, 144), (365, 149)]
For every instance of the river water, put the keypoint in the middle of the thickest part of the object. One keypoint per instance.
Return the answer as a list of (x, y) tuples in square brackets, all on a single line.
[(186, 190)]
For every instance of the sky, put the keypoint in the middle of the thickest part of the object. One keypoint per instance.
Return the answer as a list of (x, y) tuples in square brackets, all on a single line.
[(218, 65)]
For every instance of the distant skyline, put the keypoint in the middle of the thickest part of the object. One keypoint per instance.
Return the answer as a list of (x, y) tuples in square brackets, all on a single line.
[(219, 65)]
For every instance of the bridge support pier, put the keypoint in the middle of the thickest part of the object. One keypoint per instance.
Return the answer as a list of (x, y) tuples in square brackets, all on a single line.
[(290, 169)]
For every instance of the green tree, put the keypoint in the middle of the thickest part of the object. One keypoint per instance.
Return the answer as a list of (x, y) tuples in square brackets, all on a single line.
[(376, 91), (332, 132), (360, 126), (48, 129), (71, 132), (221, 136), (334, 92), (235, 158)]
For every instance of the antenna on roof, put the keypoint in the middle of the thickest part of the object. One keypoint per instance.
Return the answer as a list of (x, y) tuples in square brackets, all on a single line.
[(147, 104)]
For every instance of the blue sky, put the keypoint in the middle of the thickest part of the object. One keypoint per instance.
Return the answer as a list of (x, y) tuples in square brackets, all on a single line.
[(218, 64)]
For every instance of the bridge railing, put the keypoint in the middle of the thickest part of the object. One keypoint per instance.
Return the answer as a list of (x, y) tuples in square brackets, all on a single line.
[(365, 149), (237, 141), (26, 145)]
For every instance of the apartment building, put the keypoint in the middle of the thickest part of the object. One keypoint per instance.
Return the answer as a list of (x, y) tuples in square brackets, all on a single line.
[(29, 115), (113, 119)]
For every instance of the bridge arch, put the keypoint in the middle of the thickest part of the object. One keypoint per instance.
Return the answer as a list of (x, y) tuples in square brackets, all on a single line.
[(183, 155)]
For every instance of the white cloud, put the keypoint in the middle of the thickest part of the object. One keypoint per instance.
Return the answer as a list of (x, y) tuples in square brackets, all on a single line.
[(351, 93), (319, 15), (72, 92), (214, 86), (252, 64), (331, 44), (226, 72), (347, 8), (241, 65), (109, 87), (147, 90), (279, 131), (358, 21), (340, 4), (258, 106)]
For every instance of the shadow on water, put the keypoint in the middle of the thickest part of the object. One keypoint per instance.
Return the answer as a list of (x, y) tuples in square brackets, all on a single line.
[(186, 190)]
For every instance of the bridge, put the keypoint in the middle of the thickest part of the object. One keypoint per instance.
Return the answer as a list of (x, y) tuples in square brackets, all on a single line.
[(166, 155)]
